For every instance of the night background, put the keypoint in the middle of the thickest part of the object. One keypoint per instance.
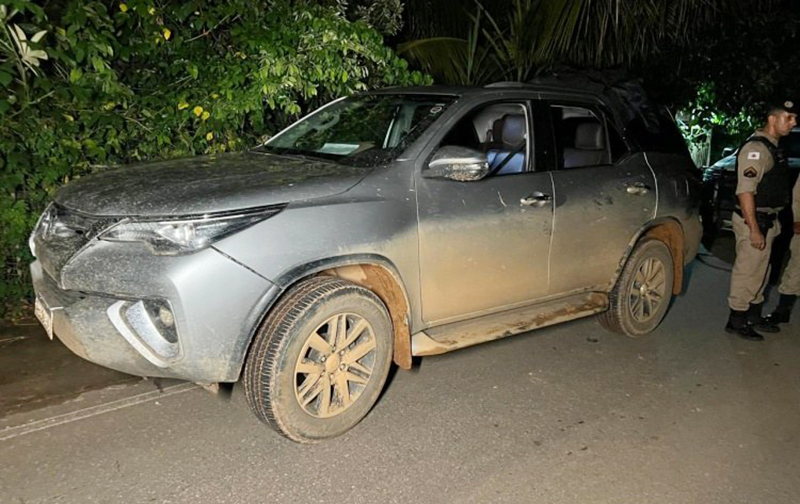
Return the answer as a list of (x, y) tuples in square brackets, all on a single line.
[(580, 411), (92, 84)]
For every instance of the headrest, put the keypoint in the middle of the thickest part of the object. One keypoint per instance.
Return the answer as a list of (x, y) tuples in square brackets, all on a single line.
[(514, 129), (589, 136)]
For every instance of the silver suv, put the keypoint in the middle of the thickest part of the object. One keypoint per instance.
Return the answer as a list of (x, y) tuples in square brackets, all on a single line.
[(386, 225)]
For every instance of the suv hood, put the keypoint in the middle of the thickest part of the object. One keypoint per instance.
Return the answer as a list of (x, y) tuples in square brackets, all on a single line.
[(207, 184)]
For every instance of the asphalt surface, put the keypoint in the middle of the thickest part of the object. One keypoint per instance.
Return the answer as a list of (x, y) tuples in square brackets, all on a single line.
[(36, 372), (568, 414)]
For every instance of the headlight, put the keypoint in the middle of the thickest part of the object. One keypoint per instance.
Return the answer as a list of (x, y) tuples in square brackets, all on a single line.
[(185, 234), (31, 239)]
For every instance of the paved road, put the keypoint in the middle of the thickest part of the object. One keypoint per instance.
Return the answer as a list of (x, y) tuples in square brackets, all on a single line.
[(36, 372), (568, 414)]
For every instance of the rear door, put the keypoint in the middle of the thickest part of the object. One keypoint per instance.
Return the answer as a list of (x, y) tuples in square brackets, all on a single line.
[(603, 195)]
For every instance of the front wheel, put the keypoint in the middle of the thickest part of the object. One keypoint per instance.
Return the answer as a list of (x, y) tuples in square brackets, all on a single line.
[(320, 360), (640, 299)]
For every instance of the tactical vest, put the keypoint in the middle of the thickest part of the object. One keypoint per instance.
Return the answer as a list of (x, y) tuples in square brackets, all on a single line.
[(775, 188)]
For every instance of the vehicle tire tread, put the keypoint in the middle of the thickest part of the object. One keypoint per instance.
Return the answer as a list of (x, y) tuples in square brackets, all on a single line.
[(261, 368), (614, 319)]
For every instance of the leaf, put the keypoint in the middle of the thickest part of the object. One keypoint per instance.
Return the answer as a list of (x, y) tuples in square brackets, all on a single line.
[(34, 56), (5, 78), (98, 63), (75, 75), (4, 106), (18, 34), (444, 57), (38, 36)]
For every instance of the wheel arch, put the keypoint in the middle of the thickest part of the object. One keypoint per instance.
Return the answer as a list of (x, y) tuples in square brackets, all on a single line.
[(668, 231), (376, 273)]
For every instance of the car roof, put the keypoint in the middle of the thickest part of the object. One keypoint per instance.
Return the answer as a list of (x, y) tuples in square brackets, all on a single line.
[(464, 91)]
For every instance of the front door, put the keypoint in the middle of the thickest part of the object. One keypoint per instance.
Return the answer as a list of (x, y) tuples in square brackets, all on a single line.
[(484, 245)]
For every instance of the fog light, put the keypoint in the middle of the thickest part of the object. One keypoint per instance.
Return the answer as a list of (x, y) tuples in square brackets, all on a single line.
[(166, 317), (149, 327)]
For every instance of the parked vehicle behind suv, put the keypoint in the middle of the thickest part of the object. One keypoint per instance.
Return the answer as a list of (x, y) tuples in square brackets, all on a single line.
[(386, 225), (719, 189)]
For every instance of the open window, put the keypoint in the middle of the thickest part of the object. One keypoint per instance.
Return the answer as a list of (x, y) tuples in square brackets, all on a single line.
[(499, 131)]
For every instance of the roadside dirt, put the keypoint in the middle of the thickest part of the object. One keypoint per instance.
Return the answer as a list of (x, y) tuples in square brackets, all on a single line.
[(36, 372)]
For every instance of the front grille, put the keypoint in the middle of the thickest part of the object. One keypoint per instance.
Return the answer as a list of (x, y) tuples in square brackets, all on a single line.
[(61, 234)]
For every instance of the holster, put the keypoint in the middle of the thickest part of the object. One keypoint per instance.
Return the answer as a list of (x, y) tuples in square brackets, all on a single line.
[(764, 220)]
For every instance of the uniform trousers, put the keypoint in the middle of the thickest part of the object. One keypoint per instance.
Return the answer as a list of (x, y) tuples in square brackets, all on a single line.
[(751, 268), (790, 281)]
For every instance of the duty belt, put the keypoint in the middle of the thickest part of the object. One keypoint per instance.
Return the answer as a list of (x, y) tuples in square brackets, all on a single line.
[(764, 220), (772, 212)]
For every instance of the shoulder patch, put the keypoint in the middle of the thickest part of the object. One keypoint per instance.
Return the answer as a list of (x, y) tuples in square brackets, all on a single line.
[(753, 155), (751, 172)]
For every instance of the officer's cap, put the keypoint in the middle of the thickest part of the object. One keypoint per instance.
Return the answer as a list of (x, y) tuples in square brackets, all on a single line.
[(782, 106)]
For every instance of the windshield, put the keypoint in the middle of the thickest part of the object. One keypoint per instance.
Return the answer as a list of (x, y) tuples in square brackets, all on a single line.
[(365, 130)]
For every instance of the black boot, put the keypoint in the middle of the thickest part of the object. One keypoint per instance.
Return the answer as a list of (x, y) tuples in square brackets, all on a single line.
[(758, 322), (737, 324), (783, 311)]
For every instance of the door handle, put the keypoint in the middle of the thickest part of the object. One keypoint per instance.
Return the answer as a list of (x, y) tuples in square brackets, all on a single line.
[(637, 188), (536, 199)]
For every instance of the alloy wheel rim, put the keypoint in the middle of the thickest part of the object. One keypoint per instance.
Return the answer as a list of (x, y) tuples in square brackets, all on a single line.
[(335, 365), (648, 290)]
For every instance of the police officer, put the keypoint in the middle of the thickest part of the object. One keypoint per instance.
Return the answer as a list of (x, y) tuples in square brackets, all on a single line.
[(763, 189), (789, 287)]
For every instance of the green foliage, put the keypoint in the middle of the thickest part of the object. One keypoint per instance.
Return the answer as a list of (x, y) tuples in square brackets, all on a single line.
[(87, 84), (749, 59), (386, 16), (708, 129), (722, 80), (523, 38), (706, 59)]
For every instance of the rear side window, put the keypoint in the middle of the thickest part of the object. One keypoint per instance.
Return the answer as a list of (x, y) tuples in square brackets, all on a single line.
[(656, 131), (581, 137)]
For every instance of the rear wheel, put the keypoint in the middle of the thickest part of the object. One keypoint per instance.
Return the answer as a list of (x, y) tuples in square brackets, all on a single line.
[(320, 360), (639, 301)]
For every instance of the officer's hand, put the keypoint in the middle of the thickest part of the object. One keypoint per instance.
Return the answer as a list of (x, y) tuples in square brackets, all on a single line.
[(797, 228), (757, 239)]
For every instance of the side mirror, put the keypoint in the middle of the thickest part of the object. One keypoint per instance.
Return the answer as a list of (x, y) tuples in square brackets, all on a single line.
[(727, 151), (458, 163)]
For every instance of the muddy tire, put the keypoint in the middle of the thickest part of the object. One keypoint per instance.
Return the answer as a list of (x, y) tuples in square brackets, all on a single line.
[(320, 359), (640, 299)]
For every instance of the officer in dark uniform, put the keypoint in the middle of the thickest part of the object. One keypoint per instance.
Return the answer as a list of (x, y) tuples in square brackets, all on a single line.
[(763, 189)]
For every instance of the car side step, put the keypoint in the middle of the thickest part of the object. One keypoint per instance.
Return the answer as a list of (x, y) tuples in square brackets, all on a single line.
[(449, 337)]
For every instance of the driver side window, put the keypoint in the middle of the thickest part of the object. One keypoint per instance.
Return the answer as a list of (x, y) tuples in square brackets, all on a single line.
[(499, 131)]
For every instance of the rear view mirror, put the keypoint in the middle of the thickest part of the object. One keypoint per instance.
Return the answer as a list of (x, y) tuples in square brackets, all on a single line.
[(458, 163)]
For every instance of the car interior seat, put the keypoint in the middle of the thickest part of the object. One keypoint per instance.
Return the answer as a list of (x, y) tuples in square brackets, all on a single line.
[(589, 147), (508, 139)]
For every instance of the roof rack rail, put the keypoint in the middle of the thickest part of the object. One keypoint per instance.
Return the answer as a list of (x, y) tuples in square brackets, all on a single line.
[(506, 84)]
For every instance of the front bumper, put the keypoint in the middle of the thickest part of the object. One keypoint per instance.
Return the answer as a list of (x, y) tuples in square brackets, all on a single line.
[(216, 304)]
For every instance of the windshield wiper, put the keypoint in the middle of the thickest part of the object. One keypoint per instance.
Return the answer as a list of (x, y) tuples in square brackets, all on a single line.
[(264, 149)]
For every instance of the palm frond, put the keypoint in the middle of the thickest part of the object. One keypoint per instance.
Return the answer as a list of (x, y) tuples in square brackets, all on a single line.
[(442, 57), (455, 61)]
